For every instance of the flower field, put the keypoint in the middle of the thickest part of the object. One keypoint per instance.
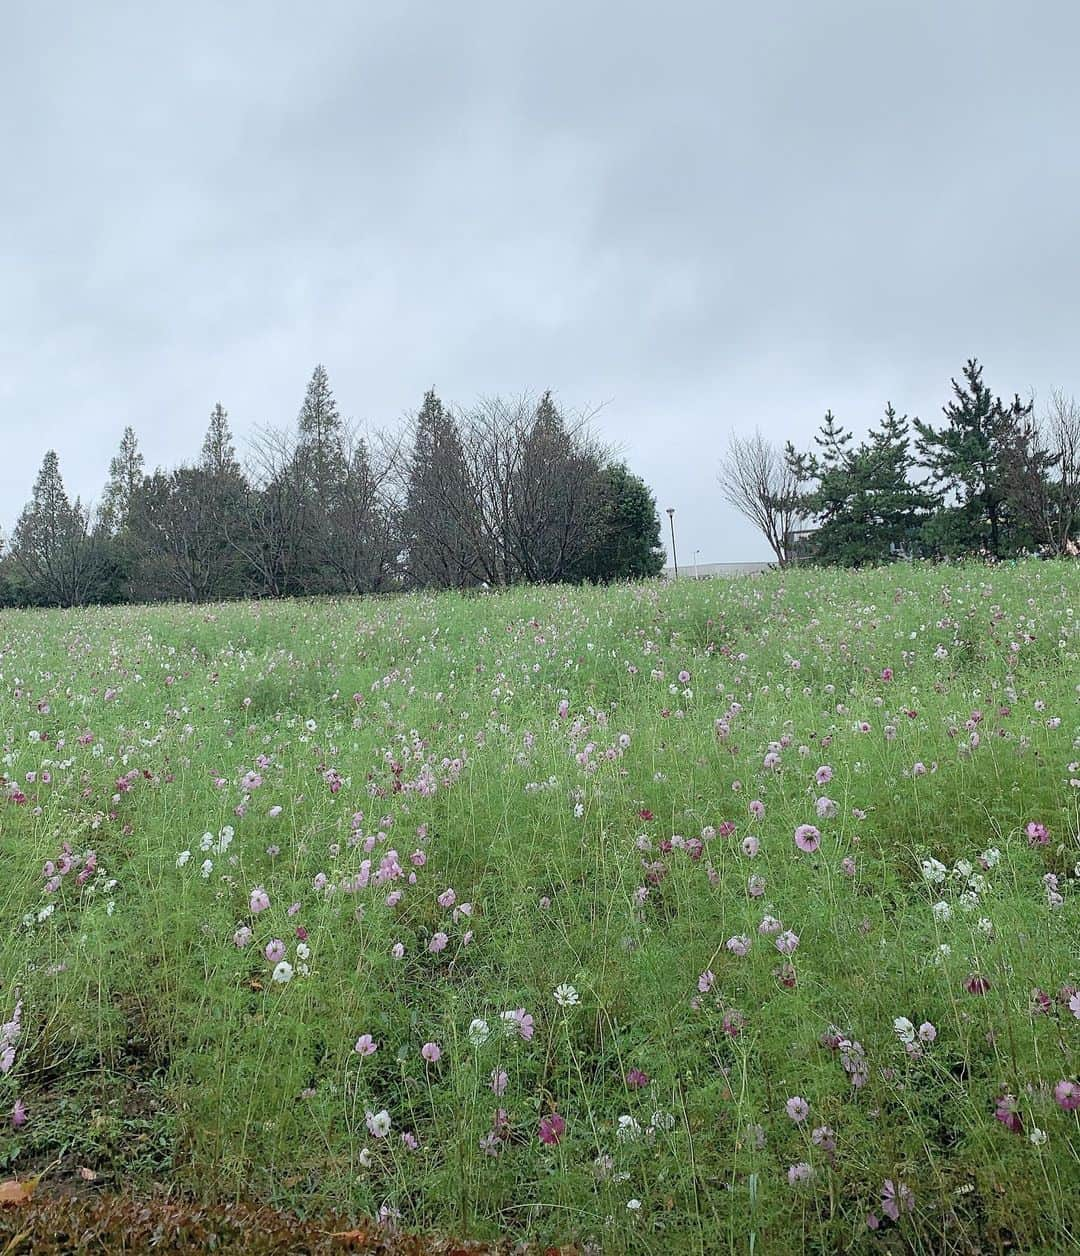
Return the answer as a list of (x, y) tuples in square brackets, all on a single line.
[(732, 915)]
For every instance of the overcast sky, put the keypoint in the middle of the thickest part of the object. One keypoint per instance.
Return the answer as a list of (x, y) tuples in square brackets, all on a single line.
[(704, 216)]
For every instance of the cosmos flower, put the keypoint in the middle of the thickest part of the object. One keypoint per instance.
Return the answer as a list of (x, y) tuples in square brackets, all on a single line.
[(807, 838), (552, 1129)]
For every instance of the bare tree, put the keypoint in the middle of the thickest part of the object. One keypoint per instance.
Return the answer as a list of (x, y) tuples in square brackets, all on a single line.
[(1061, 427), (270, 532), (763, 486)]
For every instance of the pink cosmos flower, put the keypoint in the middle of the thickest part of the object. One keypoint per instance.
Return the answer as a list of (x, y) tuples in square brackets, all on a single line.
[(432, 1052), (739, 945), (365, 1045), (275, 950), (438, 943), (1006, 1112), (259, 900), (1067, 1096), (636, 1079), (807, 838), (757, 808), (1037, 834), (799, 1173), (847, 866), (18, 1115), (521, 1021), (823, 775), (242, 937), (750, 847), (797, 1109), (1074, 1005), (499, 1081), (397, 950), (733, 1022), (787, 942), (979, 985), (927, 1032), (552, 1129), (894, 1197), (447, 898), (705, 981)]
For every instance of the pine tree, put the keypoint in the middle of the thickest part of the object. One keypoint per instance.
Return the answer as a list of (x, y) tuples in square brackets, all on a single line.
[(438, 521), (898, 507), (218, 454), (552, 493), (866, 507), (968, 457), (125, 476), (833, 442), (52, 546), (321, 434)]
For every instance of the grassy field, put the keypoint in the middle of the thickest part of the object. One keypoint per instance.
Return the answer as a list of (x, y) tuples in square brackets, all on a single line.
[(735, 915)]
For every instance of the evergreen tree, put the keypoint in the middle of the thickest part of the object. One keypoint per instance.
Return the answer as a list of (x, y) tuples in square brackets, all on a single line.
[(52, 549), (624, 541), (438, 523), (968, 457), (125, 476), (552, 492), (833, 441), (866, 507), (218, 454), (321, 434)]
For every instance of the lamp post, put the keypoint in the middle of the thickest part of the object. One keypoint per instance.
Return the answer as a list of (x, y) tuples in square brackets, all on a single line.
[(674, 555), (696, 553)]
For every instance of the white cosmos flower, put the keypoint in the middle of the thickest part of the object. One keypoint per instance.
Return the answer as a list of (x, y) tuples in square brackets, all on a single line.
[(378, 1123), (942, 911), (628, 1130), (182, 858), (905, 1030), (566, 995), (479, 1032), (934, 871), (283, 972)]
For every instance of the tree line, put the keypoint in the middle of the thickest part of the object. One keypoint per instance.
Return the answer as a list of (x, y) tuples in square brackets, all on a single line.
[(994, 479), (502, 493)]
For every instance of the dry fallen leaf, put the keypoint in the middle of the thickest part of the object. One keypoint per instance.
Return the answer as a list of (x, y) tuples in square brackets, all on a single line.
[(15, 1192), (87, 1175)]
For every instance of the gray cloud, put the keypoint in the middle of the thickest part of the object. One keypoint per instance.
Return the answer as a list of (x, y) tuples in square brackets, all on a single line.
[(705, 216)]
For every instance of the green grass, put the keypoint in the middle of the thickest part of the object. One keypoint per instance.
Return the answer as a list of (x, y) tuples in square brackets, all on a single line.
[(154, 1049)]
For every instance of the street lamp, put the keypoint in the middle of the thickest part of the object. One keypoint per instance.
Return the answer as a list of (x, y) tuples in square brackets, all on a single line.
[(674, 555), (696, 553)]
